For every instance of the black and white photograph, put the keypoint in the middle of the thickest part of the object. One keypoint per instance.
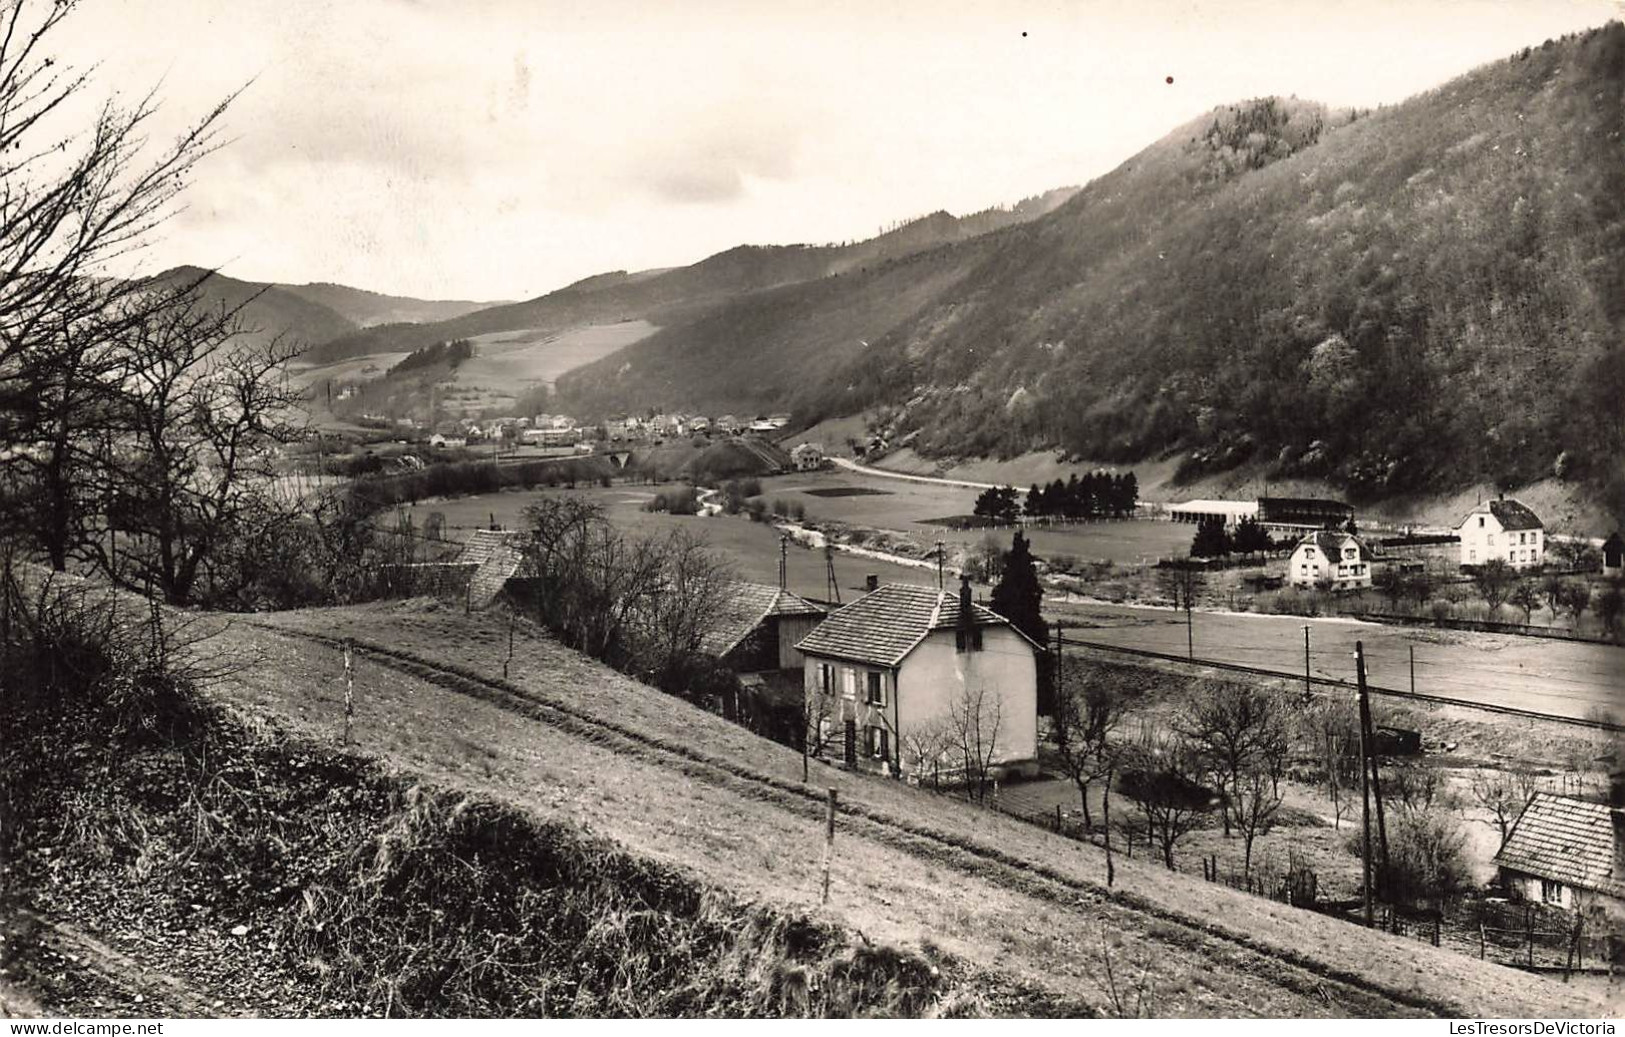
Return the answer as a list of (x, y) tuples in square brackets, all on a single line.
[(616, 510)]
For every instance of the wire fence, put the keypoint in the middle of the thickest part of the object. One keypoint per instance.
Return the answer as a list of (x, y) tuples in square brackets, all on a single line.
[(1311, 680)]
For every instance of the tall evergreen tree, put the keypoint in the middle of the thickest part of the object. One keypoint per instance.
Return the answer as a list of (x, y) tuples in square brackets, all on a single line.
[(1019, 597)]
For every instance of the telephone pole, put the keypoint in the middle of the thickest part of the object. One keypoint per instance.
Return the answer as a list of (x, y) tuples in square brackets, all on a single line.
[(1307, 691), (784, 558), (1365, 786), (1371, 735)]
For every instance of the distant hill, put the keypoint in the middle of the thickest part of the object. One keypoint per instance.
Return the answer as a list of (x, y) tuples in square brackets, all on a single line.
[(1410, 299), (680, 294), (365, 309), (267, 311)]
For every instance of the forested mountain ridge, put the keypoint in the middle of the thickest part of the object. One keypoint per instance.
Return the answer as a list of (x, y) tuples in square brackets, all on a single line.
[(1418, 298), (682, 293)]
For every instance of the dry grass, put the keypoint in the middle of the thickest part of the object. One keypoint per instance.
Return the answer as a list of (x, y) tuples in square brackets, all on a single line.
[(1003, 891)]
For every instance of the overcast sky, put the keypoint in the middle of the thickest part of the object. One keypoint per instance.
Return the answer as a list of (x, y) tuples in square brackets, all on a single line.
[(502, 148)]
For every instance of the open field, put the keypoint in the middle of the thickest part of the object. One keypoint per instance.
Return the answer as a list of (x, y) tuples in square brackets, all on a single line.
[(752, 547), (1559, 677), (356, 368), (567, 738), (508, 360)]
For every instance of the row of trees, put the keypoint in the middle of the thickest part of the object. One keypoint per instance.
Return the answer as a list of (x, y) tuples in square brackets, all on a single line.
[(1213, 539), (1095, 495)]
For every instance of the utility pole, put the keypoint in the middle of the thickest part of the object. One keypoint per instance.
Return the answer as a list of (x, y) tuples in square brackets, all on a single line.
[(1413, 669), (1365, 787), (784, 558), (832, 588), (1190, 634), (939, 564), (1371, 735), (1307, 691)]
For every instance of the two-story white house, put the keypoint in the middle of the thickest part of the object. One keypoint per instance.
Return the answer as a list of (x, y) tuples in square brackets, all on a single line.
[(1504, 529), (1330, 558), (894, 681)]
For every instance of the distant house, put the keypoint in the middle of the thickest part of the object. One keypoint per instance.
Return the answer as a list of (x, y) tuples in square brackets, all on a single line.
[(1330, 558), (807, 457), (1303, 513), (1563, 851), (762, 425), (1504, 529), (1613, 555), (444, 442), (887, 677), (778, 420), (728, 423), (1230, 512)]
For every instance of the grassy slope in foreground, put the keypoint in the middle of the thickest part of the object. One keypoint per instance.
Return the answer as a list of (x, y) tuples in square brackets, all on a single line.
[(232, 870), (910, 867)]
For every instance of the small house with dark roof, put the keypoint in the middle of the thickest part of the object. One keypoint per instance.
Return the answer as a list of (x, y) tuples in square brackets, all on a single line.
[(899, 678), (1613, 555), (1504, 529), (1562, 851), (1340, 561), (758, 629)]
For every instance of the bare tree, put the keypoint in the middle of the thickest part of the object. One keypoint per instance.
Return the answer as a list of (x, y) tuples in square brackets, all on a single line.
[(1164, 773), (1237, 728), (1087, 713), (927, 743), (695, 588), (1503, 796), (203, 415), (1526, 597), (974, 717), (74, 198), (1494, 580)]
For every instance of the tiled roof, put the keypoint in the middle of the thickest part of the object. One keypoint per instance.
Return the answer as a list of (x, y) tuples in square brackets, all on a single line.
[(749, 605), (1331, 543), (1570, 840), (497, 555), (1511, 514), (884, 625)]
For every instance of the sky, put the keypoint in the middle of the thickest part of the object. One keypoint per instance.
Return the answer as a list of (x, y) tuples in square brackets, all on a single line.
[(499, 149)]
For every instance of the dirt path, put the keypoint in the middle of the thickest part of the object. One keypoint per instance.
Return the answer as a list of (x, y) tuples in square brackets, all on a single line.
[(49, 966), (853, 466)]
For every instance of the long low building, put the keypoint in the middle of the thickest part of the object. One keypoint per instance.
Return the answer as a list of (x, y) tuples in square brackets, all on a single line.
[(1229, 512)]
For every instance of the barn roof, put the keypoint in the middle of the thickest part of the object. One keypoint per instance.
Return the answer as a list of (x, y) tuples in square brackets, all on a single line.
[(883, 626), (1567, 839), (749, 606)]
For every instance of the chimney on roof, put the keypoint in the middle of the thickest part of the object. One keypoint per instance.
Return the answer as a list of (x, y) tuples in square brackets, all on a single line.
[(967, 613), (871, 582)]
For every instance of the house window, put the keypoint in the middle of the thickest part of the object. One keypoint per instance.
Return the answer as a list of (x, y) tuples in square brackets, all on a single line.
[(971, 642), (879, 740), (1481, 522), (1551, 891), (849, 683), (1472, 555), (1523, 538), (874, 690), (826, 678)]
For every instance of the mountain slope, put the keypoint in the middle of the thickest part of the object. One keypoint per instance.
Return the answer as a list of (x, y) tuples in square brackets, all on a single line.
[(1421, 297), (365, 309), (266, 310), (673, 296)]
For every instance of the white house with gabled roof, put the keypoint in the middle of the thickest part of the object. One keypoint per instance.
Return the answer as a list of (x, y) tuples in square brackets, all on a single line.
[(889, 676), (1504, 529)]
